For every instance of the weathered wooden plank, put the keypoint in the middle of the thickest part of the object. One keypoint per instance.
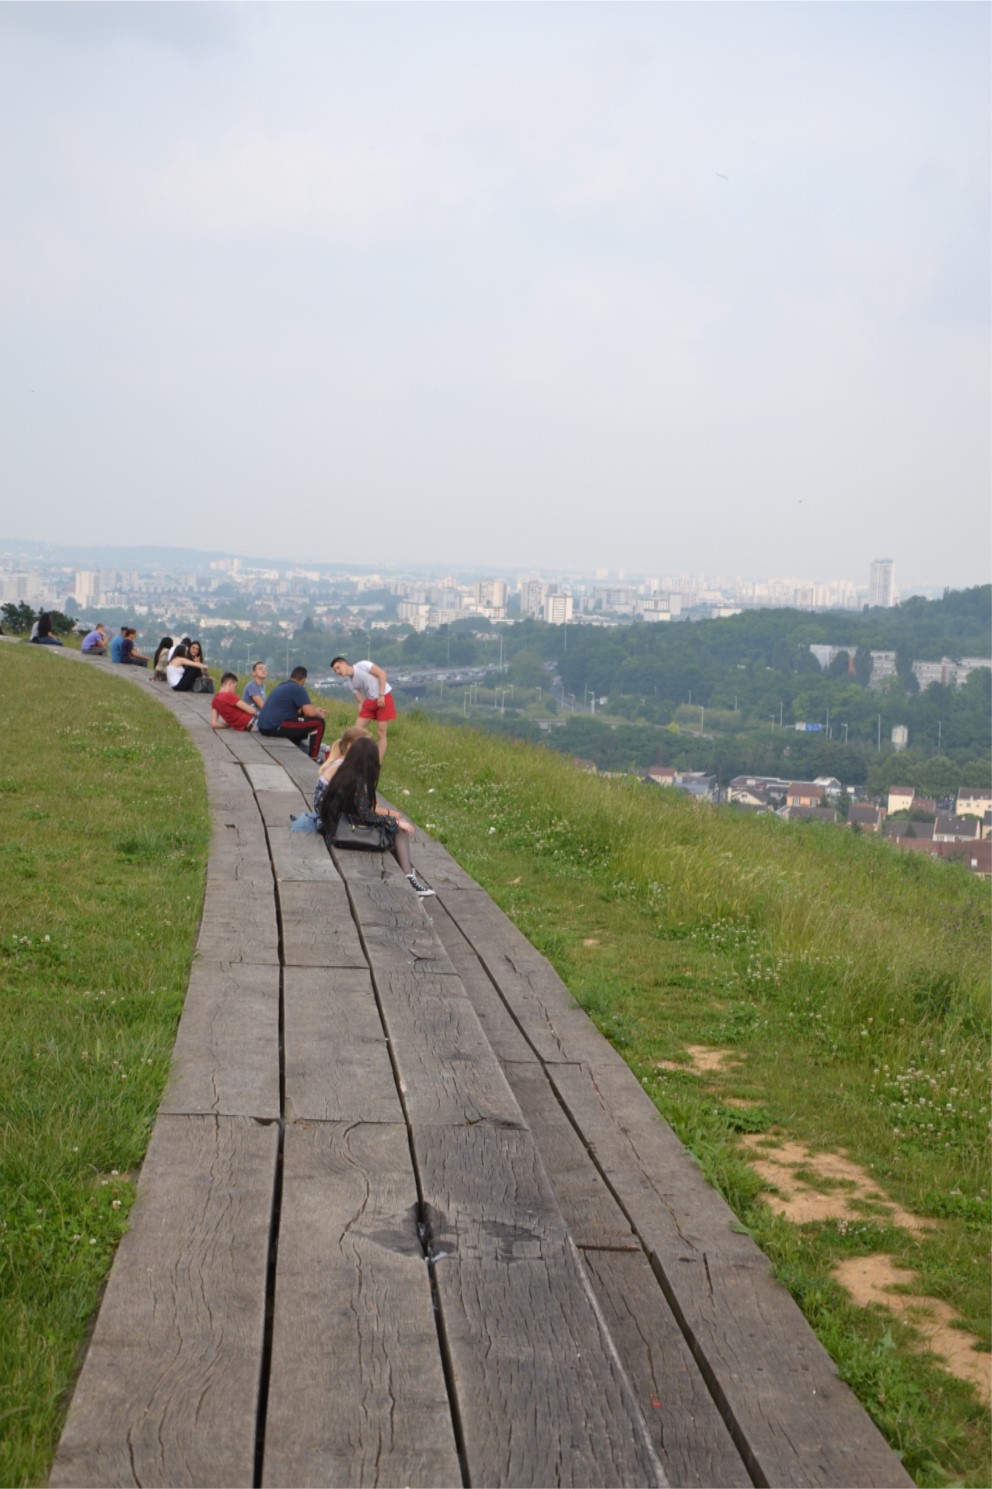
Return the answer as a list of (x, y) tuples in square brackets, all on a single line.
[(436, 865), (277, 807), (542, 1397), (169, 1387), (238, 865), (498, 1024), (226, 1057), (239, 922), (243, 745), (554, 1024), (541, 1394), (793, 1420), (688, 1433), (317, 926), (588, 1207), (447, 1069), (268, 776), (357, 1393), (336, 1056), (672, 1207), (300, 855)]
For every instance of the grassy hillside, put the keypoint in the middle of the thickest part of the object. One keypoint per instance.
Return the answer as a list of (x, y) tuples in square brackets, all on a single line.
[(845, 984), (103, 838)]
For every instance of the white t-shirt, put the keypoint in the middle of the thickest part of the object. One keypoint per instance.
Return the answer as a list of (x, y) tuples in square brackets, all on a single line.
[(365, 681), (174, 673)]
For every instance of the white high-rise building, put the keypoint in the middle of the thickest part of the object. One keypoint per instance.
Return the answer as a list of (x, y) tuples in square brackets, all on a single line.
[(87, 588), (882, 583), (558, 609)]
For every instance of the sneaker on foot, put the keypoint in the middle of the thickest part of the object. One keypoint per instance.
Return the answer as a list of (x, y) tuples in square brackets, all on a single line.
[(418, 886), (323, 753)]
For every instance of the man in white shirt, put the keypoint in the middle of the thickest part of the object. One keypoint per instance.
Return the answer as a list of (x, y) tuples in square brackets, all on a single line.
[(375, 696)]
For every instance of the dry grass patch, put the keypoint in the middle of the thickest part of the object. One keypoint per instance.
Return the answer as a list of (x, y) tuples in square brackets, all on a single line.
[(877, 1280)]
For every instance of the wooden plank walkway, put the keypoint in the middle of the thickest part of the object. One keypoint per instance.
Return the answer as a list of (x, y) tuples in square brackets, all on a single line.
[(407, 1219)]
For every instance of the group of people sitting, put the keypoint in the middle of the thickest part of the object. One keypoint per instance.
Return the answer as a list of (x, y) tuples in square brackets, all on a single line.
[(182, 665), (121, 648), (345, 792)]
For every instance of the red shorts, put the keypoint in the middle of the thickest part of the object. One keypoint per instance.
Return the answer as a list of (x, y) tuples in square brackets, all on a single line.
[(370, 709)]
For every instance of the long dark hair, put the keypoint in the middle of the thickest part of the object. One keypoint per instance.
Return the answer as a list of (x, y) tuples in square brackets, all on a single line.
[(199, 648), (352, 786), (163, 645)]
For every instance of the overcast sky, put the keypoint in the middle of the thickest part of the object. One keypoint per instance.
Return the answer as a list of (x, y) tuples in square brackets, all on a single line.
[(656, 287)]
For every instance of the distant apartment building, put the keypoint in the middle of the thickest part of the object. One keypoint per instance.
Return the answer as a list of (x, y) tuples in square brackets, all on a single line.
[(658, 607), (87, 590), (882, 583), (533, 593), (944, 672), (558, 609), (826, 655), (490, 594), (883, 666)]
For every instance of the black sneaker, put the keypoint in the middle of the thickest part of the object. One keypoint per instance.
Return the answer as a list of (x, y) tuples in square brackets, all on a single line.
[(418, 886)]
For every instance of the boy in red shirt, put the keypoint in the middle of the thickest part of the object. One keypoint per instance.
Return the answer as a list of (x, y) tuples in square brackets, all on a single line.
[(227, 710)]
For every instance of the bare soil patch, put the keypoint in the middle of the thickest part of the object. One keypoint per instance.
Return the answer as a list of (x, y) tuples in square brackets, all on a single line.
[(877, 1279), (846, 1187), (703, 1059)]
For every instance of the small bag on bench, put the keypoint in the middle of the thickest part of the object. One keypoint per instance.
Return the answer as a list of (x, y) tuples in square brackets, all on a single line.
[(377, 837)]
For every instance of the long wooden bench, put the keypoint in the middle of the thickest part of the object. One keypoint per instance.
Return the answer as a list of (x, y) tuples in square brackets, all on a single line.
[(406, 1218)]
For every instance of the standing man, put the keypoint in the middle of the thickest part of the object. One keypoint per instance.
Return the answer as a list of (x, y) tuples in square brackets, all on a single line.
[(289, 712), (254, 693), (94, 644), (375, 696)]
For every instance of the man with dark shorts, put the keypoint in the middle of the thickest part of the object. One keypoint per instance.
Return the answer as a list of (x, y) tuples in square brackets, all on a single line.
[(289, 712), (375, 696)]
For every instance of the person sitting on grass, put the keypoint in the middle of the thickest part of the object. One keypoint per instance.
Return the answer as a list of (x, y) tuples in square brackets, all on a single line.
[(351, 797), (227, 710)]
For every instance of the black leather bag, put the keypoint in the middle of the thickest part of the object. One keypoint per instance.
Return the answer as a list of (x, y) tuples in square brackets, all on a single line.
[(376, 837)]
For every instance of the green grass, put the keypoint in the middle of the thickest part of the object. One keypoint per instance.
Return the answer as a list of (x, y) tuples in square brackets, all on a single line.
[(103, 838), (852, 983)]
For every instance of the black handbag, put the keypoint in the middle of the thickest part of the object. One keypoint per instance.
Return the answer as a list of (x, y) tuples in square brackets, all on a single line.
[(376, 837)]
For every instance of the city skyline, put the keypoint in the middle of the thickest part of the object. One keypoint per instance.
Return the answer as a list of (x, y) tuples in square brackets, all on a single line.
[(518, 287)]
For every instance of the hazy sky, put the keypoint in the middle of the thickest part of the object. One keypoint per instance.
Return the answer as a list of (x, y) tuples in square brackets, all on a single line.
[(690, 287)]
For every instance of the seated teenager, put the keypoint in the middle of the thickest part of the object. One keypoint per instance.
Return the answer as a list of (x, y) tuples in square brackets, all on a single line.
[(227, 710), (130, 656), (183, 671), (161, 658), (46, 636), (351, 797)]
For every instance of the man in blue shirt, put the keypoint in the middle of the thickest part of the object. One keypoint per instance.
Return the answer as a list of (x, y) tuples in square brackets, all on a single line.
[(254, 692), (116, 644), (289, 712)]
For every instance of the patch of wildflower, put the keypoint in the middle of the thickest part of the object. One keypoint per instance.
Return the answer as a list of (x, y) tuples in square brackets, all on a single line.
[(933, 1108)]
